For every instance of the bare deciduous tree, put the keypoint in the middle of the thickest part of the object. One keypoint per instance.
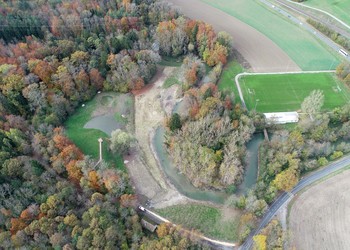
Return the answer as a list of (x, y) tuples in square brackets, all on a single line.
[(313, 103)]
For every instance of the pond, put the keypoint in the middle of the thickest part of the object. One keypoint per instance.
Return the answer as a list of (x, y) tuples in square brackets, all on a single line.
[(183, 185), (105, 123)]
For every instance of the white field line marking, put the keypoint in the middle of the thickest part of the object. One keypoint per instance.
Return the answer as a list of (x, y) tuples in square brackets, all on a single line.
[(272, 73)]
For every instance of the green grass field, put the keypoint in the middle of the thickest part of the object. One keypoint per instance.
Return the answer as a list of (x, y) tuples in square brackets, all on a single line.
[(299, 44), (274, 93), (207, 220), (226, 81), (340, 9), (86, 139)]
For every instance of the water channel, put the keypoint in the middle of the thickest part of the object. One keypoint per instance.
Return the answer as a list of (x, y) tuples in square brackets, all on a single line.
[(184, 186), (105, 123)]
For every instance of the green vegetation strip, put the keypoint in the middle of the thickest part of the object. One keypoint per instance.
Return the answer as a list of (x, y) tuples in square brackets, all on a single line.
[(86, 139), (340, 9), (226, 82), (172, 79), (298, 43), (286, 92), (208, 220)]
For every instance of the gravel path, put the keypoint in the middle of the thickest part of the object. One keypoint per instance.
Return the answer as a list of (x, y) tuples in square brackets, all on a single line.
[(262, 53), (146, 174)]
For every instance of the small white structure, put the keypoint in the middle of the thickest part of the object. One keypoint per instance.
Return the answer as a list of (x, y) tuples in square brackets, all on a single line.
[(100, 143), (281, 117)]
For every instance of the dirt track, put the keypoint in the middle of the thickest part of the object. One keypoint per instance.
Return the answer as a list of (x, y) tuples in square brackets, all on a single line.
[(145, 172), (320, 218), (262, 53)]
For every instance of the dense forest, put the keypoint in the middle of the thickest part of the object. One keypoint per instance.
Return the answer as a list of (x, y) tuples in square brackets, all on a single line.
[(291, 153), (209, 143), (54, 55)]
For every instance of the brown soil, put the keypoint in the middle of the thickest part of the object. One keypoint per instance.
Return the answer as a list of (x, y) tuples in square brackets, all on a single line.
[(262, 54), (320, 217), (145, 172)]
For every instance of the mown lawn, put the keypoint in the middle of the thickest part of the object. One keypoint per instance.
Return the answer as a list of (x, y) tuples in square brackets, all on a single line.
[(227, 82), (302, 47), (207, 220), (273, 93), (86, 139), (337, 8)]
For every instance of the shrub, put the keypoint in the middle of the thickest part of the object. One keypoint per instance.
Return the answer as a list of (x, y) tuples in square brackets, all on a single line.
[(336, 155), (322, 161)]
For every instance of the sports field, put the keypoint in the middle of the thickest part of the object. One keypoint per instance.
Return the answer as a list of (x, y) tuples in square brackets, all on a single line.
[(338, 8), (286, 92), (299, 44)]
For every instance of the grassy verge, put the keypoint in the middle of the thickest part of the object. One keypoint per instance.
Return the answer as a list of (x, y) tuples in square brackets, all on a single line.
[(286, 92), (171, 61), (172, 79), (86, 139), (227, 82), (304, 49), (207, 220), (339, 9)]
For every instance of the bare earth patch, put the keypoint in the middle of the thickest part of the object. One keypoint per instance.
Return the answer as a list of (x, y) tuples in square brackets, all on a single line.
[(262, 53), (146, 174), (320, 217)]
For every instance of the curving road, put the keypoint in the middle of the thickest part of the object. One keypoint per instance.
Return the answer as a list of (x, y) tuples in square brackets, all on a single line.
[(331, 44), (262, 53), (284, 199)]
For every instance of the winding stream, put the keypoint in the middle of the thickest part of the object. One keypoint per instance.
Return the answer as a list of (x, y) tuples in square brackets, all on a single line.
[(183, 185)]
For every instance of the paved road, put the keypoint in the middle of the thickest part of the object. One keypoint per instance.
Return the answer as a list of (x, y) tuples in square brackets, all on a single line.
[(305, 26), (284, 199), (325, 12), (261, 52)]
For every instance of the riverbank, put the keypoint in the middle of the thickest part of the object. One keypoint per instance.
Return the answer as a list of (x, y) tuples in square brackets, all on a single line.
[(143, 165)]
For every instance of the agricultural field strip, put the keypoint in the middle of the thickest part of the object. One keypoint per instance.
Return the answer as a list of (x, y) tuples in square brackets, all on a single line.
[(153, 215), (307, 27), (271, 73), (317, 16), (325, 12), (284, 198), (309, 50)]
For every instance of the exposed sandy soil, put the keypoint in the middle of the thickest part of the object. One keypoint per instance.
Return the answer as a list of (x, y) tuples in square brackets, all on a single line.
[(262, 53), (320, 217), (146, 174)]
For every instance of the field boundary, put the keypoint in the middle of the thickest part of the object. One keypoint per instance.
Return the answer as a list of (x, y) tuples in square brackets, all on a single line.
[(217, 242), (237, 77), (323, 11)]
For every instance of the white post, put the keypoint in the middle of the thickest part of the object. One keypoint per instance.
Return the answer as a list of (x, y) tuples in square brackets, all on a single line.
[(100, 142)]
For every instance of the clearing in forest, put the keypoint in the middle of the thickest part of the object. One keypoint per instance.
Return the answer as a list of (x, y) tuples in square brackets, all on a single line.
[(286, 92), (218, 223), (301, 46), (96, 119)]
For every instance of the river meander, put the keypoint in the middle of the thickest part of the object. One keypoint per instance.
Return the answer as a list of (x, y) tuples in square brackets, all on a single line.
[(183, 185)]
